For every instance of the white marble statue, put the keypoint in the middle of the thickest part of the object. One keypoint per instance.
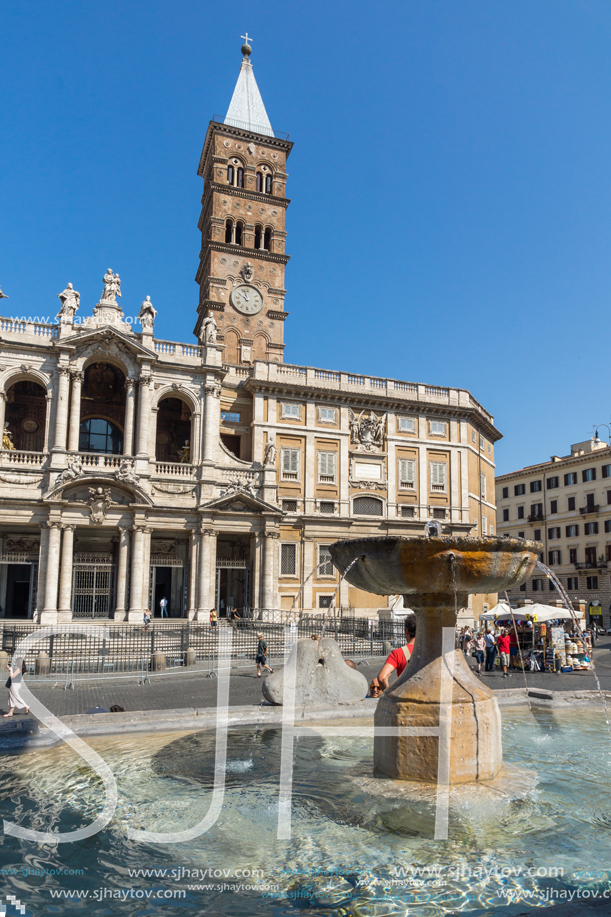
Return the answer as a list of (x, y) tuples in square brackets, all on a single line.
[(73, 471), (125, 473), (70, 301), (99, 501), (147, 313), (209, 329), (270, 453), (112, 286), (3, 295)]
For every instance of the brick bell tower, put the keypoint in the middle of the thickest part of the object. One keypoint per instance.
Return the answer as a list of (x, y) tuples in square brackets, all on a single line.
[(242, 222)]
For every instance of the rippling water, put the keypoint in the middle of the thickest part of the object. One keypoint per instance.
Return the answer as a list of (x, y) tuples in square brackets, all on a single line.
[(360, 846)]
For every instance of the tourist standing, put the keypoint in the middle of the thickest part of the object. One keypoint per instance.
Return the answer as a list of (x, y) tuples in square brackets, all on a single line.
[(504, 643), (466, 641), (479, 644), (163, 607), (213, 617), (490, 641), (399, 658), (147, 619), (261, 656), (13, 684)]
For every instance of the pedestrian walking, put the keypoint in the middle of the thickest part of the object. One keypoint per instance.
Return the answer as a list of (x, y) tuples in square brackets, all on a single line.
[(490, 641), (262, 655), (504, 643), (147, 619), (163, 607), (213, 617), (13, 683), (466, 641), (479, 645)]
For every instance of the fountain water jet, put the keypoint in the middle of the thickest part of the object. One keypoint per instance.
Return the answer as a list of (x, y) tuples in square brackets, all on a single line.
[(436, 574)]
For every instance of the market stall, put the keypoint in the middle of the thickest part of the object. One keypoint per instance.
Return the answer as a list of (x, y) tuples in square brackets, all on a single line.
[(545, 638)]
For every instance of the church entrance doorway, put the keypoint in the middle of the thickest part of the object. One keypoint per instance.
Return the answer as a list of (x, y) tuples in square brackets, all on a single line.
[(232, 586), (93, 579), (168, 582)]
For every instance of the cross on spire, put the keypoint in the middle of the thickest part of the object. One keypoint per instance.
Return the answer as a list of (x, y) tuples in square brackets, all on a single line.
[(246, 38)]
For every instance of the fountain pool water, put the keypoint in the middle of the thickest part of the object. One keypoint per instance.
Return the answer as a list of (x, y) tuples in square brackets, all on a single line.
[(360, 847)]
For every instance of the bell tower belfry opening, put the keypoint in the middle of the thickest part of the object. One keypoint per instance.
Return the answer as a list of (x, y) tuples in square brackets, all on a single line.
[(242, 222)]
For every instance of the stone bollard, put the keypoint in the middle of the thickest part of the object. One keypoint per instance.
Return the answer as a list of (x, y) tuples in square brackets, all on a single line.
[(4, 658), (158, 662), (190, 657), (386, 647), (42, 665)]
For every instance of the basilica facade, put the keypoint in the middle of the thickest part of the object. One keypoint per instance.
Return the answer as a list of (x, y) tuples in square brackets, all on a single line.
[(215, 473)]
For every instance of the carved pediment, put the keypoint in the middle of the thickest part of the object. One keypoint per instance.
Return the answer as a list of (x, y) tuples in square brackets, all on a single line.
[(242, 501), (107, 339)]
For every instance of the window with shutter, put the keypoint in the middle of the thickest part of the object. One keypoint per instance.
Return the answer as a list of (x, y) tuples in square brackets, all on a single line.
[(482, 479), (288, 559), (291, 410), (290, 464), (484, 526), (406, 424), (407, 473), (327, 415), (326, 467), (438, 476), (437, 428), (324, 559)]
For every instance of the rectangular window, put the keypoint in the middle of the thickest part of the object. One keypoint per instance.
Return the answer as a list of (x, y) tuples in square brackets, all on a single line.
[(592, 582), (588, 474), (326, 467), (291, 410), (608, 497), (288, 559), (492, 530), (324, 601), (570, 478), (572, 531), (326, 506), (484, 525), (535, 487), (591, 557), (553, 533), (536, 535), (572, 582), (290, 464), (481, 442), (289, 506), (327, 415), (505, 515), (554, 558), (520, 534), (406, 424), (482, 485), (551, 586), (324, 558), (230, 417), (608, 552), (437, 428), (438, 476), (570, 504), (407, 473), (536, 509), (520, 512), (519, 490), (505, 493), (489, 449), (590, 528), (590, 499), (538, 585), (473, 436), (553, 506), (606, 472), (607, 525), (439, 512), (572, 555), (523, 587), (408, 512), (553, 483)]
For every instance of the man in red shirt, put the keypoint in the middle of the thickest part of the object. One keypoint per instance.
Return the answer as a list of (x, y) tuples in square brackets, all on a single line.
[(503, 643), (399, 658)]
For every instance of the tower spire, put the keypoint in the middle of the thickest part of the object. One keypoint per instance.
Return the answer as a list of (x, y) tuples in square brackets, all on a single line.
[(246, 109)]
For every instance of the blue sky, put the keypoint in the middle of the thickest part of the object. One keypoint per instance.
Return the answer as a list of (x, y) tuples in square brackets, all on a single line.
[(450, 182)]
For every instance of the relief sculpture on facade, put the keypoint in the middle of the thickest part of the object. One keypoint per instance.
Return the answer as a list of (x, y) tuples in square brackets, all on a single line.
[(367, 431)]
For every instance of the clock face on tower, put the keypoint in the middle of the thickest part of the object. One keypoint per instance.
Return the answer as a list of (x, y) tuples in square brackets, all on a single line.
[(246, 299)]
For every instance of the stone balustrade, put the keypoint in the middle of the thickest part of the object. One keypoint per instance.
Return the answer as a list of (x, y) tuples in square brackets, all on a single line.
[(22, 459), (174, 470)]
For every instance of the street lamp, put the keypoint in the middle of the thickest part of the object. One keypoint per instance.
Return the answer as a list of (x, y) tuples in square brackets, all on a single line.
[(596, 429)]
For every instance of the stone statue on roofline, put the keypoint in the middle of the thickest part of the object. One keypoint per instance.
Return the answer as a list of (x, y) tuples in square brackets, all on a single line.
[(208, 330), (112, 287), (146, 315), (70, 302)]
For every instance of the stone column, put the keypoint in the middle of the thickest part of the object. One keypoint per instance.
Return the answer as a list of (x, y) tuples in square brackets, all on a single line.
[(75, 411), (206, 574), (42, 569), (61, 413), (49, 400), (212, 420), (65, 579), (146, 570), (120, 610), (135, 599), (271, 540), (49, 612), (2, 409), (194, 539), (196, 435), (130, 400), (256, 553), (144, 413)]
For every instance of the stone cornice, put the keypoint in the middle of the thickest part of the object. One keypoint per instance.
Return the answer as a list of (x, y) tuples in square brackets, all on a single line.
[(228, 249), (226, 129), (257, 197), (565, 462), (278, 316)]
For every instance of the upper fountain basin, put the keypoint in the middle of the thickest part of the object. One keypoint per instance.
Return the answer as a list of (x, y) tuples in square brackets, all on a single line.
[(442, 564)]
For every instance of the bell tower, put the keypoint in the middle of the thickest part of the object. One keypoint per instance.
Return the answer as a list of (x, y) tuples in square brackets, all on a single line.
[(242, 222)]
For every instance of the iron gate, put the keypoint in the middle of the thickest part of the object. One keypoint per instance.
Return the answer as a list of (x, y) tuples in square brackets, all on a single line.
[(93, 590)]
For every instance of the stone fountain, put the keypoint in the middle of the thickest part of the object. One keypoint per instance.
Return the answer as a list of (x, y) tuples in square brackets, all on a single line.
[(436, 575)]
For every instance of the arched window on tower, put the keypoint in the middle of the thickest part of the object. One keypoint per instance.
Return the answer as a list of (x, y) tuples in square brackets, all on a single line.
[(268, 184), (267, 241), (230, 175), (260, 182), (240, 178), (257, 235), (229, 231), (239, 226)]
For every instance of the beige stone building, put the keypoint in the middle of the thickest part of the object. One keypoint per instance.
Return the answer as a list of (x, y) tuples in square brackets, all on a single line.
[(208, 473), (566, 504)]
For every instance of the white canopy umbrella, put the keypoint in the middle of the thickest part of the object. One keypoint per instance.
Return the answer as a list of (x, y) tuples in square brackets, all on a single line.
[(500, 609), (543, 613)]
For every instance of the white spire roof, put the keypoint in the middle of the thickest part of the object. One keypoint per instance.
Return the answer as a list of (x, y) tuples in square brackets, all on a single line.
[(246, 109)]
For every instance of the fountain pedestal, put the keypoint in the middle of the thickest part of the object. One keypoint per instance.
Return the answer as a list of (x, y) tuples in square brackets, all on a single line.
[(436, 575), (473, 720)]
